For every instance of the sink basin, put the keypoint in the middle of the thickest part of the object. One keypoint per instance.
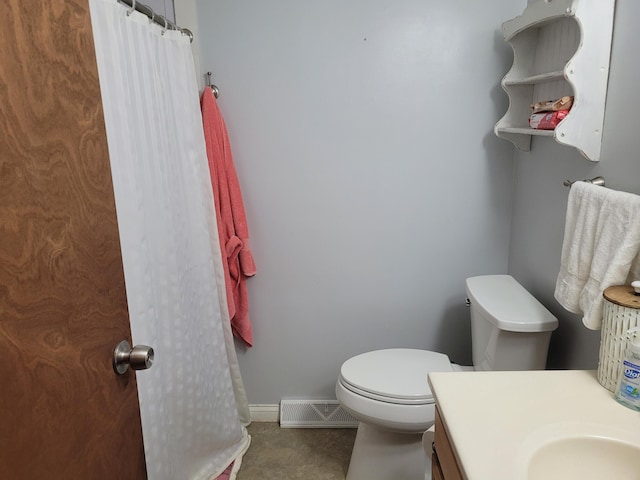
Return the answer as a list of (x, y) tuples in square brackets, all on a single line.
[(582, 451), (585, 458)]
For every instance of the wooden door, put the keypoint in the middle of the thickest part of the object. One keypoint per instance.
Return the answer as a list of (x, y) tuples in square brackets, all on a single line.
[(64, 413)]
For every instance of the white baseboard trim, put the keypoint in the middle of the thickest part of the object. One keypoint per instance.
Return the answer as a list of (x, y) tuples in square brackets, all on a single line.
[(264, 413)]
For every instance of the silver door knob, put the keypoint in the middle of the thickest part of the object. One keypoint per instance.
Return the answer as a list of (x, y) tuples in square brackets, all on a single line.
[(139, 357)]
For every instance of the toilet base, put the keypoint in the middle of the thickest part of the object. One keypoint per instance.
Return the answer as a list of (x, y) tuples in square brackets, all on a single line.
[(383, 455)]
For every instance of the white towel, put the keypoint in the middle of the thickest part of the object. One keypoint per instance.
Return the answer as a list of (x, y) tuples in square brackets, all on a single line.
[(600, 248)]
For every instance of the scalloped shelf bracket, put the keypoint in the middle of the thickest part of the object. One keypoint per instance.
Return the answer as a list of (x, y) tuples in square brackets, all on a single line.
[(560, 47)]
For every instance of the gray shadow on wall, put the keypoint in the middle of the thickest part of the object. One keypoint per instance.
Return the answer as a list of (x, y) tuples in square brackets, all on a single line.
[(569, 343), (505, 53), (454, 335), (500, 153)]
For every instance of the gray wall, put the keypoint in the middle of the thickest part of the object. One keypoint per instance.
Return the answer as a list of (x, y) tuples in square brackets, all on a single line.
[(362, 136), (315, 153), (539, 202), (162, 7)]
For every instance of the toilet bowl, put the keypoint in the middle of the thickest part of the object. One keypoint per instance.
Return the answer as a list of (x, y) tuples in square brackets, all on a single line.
[(389, 387), (387, 390)]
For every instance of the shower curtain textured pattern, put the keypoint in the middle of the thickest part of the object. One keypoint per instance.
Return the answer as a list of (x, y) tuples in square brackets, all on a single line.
[(175, 288)]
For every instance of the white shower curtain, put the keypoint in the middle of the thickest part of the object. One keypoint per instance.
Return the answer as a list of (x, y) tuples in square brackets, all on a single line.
[(172, 264)]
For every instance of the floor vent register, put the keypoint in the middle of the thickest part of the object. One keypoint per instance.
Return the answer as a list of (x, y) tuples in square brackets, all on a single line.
[(305, 413)]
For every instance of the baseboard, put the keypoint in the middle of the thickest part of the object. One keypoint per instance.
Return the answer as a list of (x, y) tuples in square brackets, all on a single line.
[(264, 413)]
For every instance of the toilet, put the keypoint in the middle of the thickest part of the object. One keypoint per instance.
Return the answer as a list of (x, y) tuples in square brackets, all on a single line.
[(388, 393)]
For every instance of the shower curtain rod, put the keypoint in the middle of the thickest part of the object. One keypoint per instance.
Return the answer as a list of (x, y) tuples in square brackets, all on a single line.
[(159, 19)]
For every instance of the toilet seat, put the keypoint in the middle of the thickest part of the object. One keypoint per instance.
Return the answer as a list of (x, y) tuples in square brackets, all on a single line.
[(397, 376)]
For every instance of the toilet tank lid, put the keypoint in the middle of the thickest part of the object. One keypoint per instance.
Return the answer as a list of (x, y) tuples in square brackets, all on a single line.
[(508, 305)]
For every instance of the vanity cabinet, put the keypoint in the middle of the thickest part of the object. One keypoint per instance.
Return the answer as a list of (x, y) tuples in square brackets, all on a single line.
[(499, 422), (560, 48), (444, 465)]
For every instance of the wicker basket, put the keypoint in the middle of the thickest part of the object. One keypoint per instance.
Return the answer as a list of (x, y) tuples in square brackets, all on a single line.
[(621, 313)]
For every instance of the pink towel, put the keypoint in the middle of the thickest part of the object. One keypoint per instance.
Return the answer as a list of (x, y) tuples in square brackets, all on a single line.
[(226, 475), (232, 222)]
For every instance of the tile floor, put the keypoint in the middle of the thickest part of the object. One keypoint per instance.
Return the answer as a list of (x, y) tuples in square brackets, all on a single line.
[(296, 453)]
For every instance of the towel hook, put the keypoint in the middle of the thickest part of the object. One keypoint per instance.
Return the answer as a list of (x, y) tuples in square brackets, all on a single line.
[(213, 88), (599, 181)]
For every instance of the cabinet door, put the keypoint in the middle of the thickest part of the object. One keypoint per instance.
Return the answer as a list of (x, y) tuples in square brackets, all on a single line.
[(436, 470), (444, 450), (64, 412)]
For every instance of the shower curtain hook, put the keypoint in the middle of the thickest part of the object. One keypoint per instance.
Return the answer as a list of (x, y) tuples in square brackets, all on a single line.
[(166, 26), (133, 8)]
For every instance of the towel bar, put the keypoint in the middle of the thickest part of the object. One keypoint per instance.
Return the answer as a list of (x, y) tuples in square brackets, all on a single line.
[(599, 181)]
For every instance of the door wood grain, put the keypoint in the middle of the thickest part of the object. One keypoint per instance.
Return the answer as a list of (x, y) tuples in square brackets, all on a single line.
[(63, 309)]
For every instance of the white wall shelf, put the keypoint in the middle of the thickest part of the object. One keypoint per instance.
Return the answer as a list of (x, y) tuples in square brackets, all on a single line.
[(527, 131), (560, 47), (535, 79)]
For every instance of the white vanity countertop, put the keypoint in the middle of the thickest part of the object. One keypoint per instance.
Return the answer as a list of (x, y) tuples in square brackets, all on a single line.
[(494, 419)]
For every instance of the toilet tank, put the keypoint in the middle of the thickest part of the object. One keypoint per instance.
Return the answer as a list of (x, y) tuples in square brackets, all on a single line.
[(510, 329)]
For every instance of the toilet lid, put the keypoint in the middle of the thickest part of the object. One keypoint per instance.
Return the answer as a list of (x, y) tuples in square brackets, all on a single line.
[(398, 375)]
